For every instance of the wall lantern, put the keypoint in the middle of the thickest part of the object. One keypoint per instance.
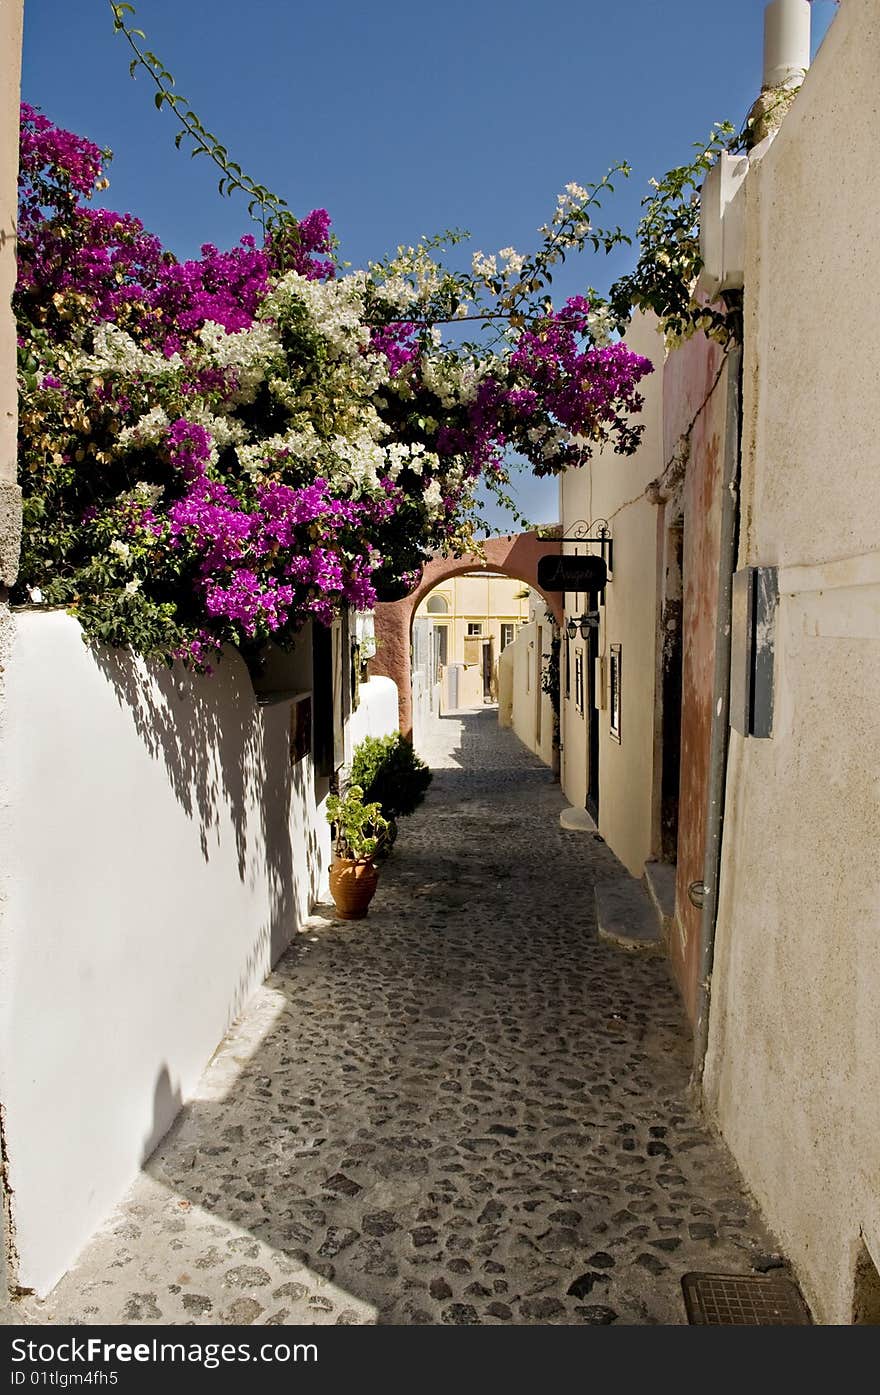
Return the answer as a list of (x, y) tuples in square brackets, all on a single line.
[(583, 623)]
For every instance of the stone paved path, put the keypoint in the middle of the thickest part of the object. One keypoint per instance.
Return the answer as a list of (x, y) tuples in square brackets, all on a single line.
[(465, 1109)]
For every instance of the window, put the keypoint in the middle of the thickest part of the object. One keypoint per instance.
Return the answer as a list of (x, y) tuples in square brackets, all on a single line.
[(579, 680), (567, 667), (437, 605), (507, 633), (614, 692), (475, 627)]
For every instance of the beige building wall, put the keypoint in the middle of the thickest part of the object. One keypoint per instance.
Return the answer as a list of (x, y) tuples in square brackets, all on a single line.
[(573, 755), (523, 704), (793, 1071), (505, 687), (613, 487), (486, 600)]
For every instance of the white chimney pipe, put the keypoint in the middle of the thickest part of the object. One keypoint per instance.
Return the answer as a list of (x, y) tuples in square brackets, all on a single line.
[(786, 42)]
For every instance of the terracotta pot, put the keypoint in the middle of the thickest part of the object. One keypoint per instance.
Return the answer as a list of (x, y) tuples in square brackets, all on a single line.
[(352, 885)]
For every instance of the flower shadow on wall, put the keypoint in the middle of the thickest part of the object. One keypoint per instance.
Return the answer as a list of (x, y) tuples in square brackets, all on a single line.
[(228, 766)]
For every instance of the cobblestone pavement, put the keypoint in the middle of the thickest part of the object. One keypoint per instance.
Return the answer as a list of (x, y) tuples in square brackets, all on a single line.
[(464, 1109)]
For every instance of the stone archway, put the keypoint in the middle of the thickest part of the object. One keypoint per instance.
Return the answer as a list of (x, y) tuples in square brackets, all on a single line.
[(515, 555)]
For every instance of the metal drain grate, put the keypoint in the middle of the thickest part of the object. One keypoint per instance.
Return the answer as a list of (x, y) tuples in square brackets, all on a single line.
[(743, 1300)]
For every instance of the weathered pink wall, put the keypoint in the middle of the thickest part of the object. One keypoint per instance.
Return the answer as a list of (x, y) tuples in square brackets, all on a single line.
[(515, 555), (694, 398)]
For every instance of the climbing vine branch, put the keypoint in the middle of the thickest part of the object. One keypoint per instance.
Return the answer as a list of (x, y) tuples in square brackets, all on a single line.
[(669, 261), (269, 207)]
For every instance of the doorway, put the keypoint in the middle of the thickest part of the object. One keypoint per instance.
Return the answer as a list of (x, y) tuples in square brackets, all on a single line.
[(486, 659), (441, 650)]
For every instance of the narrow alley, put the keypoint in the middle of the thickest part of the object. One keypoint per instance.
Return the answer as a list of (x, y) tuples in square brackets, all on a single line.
[(464, 1109)]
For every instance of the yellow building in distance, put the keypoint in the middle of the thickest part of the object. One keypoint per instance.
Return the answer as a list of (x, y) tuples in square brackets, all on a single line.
[(462, 627)]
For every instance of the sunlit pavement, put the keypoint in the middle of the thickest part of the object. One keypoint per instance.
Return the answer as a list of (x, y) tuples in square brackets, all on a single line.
[(464, 1109)]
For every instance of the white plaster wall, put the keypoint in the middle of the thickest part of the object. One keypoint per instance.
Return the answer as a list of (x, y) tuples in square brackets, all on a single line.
[(163, 852), (11, 12), (793, 1071), (421, 708), (376, 713)]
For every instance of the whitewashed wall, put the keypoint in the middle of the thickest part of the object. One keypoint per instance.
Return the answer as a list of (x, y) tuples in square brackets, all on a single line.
[(11, 19), (376, 713), (161, 854)]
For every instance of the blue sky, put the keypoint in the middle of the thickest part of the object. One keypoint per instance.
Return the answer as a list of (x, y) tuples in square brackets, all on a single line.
[(402, 119)]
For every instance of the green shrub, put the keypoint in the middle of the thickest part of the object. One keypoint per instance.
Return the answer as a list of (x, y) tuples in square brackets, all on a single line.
[(391, 774)]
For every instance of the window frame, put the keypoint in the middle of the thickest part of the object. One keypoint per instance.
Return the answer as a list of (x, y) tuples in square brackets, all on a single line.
[(614, 692)]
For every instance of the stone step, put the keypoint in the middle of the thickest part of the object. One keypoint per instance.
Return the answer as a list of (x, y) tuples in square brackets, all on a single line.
[(626, 916), (577, 820), (659, 880)]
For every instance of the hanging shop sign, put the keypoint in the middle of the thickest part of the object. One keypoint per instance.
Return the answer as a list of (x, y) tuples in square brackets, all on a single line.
[(559, 573)]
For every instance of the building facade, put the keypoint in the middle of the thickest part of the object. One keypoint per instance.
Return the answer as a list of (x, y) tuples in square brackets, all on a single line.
[(525, 677), (460, 631), (719, 722)]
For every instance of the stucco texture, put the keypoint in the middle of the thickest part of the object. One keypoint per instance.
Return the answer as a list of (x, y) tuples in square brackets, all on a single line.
[(162, 853), (530, 708), (793, 1071)]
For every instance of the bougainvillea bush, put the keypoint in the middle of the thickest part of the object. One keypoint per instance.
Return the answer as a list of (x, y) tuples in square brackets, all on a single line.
[(215, 451)]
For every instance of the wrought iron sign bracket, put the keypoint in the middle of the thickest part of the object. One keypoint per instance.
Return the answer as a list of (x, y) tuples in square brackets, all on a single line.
[(596, 532)]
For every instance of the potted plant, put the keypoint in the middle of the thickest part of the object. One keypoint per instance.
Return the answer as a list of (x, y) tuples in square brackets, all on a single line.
[(359, 832)]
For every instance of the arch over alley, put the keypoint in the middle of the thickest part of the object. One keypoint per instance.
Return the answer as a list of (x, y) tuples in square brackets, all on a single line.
[(515, 555)]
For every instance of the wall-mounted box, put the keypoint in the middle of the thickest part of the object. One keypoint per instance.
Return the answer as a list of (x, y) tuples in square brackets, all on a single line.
[(722, 226), (755, 601)]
